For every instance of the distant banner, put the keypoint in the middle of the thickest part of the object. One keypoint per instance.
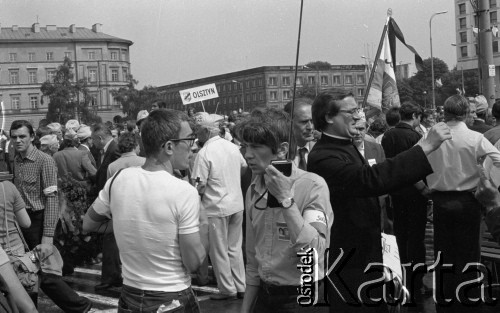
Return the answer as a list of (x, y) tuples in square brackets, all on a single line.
[(198, 94)]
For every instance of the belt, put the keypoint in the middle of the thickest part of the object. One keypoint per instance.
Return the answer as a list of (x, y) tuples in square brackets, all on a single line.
[(271, 289)]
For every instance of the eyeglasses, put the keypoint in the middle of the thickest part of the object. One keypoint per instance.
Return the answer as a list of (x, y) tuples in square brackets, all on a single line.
[(189, 140), (355, 111)]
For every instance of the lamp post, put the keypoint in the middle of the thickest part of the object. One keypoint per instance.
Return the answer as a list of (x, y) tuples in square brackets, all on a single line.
[(432, 59), (243, 91)]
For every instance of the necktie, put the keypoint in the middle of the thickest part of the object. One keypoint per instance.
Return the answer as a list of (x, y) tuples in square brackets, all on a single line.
[(101, 156), (302, 158)]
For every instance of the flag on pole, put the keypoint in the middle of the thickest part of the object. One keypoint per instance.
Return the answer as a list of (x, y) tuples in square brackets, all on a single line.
[(439, 83), (382, 90), (494, 31)]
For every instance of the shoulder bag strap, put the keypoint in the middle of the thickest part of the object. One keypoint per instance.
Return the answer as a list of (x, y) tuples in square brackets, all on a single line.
[(26, 248), (111, 184)]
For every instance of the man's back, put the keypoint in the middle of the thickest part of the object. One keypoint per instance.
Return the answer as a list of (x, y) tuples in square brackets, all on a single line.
[(218, 164), (399, 139), (74, 162), (150, 210), (127, 159)]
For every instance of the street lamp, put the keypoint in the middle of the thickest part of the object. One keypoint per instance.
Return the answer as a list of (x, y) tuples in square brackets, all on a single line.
[(432, 59), (243, 91)]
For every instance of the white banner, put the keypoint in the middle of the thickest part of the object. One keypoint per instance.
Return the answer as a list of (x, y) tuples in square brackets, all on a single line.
[(197, 94)]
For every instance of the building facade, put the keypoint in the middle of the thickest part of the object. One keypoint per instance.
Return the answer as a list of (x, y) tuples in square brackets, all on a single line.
[(30, 56), (467, 37), (267, 86)]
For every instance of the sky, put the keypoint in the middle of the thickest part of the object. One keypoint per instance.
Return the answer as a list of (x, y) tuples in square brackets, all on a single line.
[(181, 40)]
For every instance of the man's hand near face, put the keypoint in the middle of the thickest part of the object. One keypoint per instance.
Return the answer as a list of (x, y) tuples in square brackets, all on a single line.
[(278, 184)]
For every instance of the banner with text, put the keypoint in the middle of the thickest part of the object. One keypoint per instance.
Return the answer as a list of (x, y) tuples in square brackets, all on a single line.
[(197, 94)]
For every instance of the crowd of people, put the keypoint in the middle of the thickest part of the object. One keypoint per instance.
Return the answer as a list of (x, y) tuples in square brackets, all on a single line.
[(155, 198)]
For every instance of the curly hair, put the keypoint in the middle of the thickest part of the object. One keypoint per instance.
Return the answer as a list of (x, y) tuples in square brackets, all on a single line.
[(127, 142)]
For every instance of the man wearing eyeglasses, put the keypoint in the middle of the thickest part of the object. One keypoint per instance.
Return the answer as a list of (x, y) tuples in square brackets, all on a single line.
[(354, 186), (286, 243), (157, 221), (217, 173)]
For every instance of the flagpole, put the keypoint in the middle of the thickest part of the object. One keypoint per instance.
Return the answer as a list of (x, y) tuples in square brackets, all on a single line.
[(295, 79), (377, 56)]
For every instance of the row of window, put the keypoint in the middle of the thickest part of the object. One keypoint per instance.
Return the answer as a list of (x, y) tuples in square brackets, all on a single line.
[(50, 73), (464, 51), (462, 6), (15, 102), (324, 80), (462, 21), (91, 55)]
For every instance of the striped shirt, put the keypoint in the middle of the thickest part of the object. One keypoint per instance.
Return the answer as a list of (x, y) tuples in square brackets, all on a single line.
[(35, 176)]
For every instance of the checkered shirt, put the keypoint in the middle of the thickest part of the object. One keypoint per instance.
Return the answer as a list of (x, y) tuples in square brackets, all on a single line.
[(35, 176)]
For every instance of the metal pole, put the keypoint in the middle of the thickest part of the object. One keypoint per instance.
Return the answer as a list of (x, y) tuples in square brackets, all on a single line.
[(486, 55), (243, 91), (432, 60)]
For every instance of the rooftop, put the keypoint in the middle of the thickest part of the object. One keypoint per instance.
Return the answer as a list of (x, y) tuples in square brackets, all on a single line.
[(52, 33)]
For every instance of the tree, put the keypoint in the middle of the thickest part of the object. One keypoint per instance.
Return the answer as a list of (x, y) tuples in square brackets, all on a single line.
[(67, 97), (319, 65), (421, 83), (134, 100)]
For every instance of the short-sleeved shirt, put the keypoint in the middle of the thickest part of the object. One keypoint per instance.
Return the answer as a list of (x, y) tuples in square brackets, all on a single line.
[(218, 165), (9, 205), (271, 255), (149, 211)]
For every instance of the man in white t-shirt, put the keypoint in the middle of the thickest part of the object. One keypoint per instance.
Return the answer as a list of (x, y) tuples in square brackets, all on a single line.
[(155, 219)]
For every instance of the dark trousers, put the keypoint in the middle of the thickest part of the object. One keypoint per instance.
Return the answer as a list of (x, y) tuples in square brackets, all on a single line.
[(145, 301), (269, 301), (111, 271), (457, 218), (52, 285), (410, 218)]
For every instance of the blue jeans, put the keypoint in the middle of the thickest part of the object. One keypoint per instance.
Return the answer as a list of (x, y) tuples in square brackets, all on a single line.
[(133, 300)]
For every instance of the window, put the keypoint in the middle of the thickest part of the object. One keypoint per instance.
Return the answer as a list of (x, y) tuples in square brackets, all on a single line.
[(91, 55), (324, 80), (32, 79), (259, 82), (311, 80), (463, 51), (348, 79), (336, 80), (114, 55), (12, 57), (254, 97), (463, 22), (50, 56), (114, 75), (92, 75), (34, 102), (463, 37), (493, 17), (15, 103), (273, 95), (360, 79), (493, 3), (67, 55), (247, 84), (230, 100), (261, 96), (236, 100), (125, 74), (300, 80), (229, 87), (124, 55), (286, 94), (461, 8), (285, 80), (14, 77), (50, 75), (495, 46), (272, 81), (247, 98), (361, 92), (223, 87), (31, 56)]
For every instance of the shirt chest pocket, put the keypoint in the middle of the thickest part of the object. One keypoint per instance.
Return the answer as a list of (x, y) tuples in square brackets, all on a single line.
[(30, 184)]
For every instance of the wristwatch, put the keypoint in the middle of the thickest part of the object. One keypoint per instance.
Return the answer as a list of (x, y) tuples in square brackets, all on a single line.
[(287, 203)]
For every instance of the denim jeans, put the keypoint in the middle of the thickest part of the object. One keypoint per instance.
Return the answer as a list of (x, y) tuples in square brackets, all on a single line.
[(146, 301)]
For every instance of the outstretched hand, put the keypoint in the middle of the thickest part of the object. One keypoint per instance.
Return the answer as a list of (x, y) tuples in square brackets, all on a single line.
[(435, 137)]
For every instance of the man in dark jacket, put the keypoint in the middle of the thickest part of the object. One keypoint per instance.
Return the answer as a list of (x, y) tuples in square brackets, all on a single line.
[(103, 140), (354, 187), (410, 206)]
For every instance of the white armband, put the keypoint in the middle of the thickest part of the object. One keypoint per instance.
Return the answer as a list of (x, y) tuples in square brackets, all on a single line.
[(47, 191)]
